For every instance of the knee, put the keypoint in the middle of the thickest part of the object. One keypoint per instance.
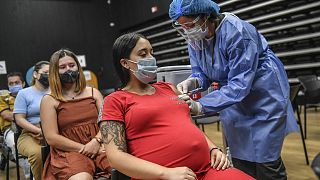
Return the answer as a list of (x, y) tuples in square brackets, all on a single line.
[(35, 156), (82, 175)]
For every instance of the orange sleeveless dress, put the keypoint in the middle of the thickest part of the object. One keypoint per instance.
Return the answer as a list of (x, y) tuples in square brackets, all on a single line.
[(77, 120)]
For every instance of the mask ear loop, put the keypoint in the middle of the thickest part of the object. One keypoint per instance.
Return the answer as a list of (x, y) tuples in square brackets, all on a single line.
[(130, 68)]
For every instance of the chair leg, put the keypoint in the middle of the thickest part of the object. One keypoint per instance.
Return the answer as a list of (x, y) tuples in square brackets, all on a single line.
[(302, 138), (17, 162), (305, 121), (202, 127), (7, 164), (218, 125), (31, 174)]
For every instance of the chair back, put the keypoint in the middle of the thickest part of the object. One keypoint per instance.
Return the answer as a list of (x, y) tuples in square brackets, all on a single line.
[(294, 89), (116, 175), (16, 130), (312, 91), (306, 78), (316, 165), (313, 88), (45, 147)]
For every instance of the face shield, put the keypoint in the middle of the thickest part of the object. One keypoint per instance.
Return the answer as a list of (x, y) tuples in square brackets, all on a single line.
[(193, 32)]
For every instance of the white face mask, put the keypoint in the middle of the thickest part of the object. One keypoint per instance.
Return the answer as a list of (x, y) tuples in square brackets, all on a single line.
[(196, 33), (147, 69)]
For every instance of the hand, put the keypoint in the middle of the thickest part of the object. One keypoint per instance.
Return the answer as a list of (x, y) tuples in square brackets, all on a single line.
[(194, 106), (102, 150), (90, 149), (219, 160), (188, 85), (179, 173), (37, 136)]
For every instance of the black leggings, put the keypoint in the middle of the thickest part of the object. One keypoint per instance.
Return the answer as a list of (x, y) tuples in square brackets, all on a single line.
[(262, 171)]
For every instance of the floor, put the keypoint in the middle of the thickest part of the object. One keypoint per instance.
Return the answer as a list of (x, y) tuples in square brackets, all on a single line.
[(292, 152)]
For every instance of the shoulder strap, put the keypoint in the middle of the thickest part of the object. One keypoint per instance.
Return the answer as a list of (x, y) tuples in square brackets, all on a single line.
[(92, 91)]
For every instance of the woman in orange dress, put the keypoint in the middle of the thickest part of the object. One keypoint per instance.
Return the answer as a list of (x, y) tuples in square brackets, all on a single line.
[(69, 121)]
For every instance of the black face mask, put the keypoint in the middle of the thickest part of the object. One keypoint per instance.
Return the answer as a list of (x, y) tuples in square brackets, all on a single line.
[(44, 80), (69, 77)]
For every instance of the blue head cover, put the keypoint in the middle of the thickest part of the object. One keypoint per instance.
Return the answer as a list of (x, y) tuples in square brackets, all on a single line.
[(192, 7)]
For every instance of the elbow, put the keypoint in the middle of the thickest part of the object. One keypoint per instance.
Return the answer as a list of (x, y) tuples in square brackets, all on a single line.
[(51, 140), (7, 117), (113, 158), (18, 122), (111, 163)]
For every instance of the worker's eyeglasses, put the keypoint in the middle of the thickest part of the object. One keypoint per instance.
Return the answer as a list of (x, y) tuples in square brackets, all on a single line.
[(177, 25)]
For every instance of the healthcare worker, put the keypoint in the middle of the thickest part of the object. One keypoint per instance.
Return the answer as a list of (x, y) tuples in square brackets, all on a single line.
[(253, 100)]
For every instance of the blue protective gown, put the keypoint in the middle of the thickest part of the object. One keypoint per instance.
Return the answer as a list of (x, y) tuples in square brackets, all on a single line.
[(253, 100)]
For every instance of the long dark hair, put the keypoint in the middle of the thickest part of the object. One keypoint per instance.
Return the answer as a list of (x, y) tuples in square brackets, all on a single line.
[(122, 49)]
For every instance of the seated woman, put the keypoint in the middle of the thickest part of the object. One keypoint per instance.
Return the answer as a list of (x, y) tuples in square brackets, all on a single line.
[(147, 129), (27, 115), (69, 121)]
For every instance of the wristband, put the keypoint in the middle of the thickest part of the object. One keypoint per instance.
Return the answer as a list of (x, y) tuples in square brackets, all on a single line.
[(98, 139), (214, 149)]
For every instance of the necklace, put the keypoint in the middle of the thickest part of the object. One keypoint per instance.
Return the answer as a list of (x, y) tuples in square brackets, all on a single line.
[(71, 97)]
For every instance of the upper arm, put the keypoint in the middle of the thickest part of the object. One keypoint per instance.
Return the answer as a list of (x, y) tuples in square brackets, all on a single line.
[(20, 107), (196, 69), (98, 97), (112, 126), (243, 61), (48, 116), (4, 106), (113, 135), (19, 116), (7, 114)]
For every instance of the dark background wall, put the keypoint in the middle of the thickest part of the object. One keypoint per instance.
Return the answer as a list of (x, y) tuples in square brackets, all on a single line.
[(135, 12), (31, 30)]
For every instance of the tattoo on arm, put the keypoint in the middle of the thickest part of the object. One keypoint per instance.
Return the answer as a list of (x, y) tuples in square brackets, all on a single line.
[(114, 131)]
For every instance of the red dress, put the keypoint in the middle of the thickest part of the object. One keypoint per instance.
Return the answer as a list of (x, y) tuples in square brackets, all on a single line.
[(159, 130)]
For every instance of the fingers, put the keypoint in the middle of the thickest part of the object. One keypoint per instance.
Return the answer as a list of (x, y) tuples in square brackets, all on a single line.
[(213, 160), (184, 97), (102, 150), (92, 156), (217, 160), (190, 174), (81, 150), (179, 87), (189, 177), (226, 164), (221, 162), (185, 87)]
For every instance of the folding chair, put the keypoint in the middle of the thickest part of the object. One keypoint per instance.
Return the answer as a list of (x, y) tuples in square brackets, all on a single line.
[(5, 156), (201, 120), (116, 175), (294, 89), (17, 131)]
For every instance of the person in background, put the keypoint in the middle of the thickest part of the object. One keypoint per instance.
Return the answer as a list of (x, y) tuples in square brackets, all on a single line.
[(69, 121), (27, 116), (253, 99), (15, 84), (147, 130)]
